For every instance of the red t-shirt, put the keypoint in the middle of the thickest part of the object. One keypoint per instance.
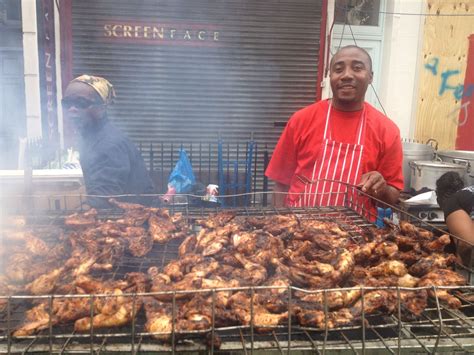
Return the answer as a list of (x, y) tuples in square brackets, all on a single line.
[(300, 142)]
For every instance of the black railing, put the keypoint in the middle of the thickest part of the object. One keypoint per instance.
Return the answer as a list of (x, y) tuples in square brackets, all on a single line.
[(220, 163)]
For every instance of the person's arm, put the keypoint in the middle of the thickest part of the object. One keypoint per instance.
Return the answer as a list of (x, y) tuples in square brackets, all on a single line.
[(457, 209), (460, 224), (279, 194), (374, 184), (283, 164)]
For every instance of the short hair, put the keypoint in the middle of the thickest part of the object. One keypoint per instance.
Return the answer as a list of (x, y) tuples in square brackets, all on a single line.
[(352, 46), (448, 184)]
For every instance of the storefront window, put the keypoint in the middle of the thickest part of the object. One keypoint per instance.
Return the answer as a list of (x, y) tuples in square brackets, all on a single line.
[(357, 12), (10, 11)]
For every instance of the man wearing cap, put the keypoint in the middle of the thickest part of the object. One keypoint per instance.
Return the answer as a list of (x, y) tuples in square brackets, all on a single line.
[(111, 163)]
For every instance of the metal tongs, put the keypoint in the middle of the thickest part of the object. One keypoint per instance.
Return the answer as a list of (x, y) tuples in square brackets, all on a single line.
[(307, 181)]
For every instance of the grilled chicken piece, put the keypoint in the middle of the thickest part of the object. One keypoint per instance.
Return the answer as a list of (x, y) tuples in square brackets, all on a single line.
[(176, 269), (255, 273), (438, 244), (115, 310), (216, 220), (196, 314), (362, 253), (134, 217), (408, 280), (443, 277), (259, 246), (16, 269), (344, 265), (211, 242), (429, 263), (390, 267), (82, 220), (161, 229), (323, 240), (279, 225), (36, 246), (95, 286), (384, 250), (164, 228), (322, 227), (162, 283), (70, 309), (414, 301), (37, 319), (126, 205), (187, 246), (274, 300), (334, 299), (64, 310), (374, 301), (317, 319), (311, 267), (301, 278), (140, 242), (407, 243), (409, 257), (45, 284), (415, 232), (263, 320), (219, 282), (159, 317), (245, 242)]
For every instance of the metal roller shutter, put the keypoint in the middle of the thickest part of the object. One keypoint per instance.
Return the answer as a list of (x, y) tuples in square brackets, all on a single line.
[(262, 67)]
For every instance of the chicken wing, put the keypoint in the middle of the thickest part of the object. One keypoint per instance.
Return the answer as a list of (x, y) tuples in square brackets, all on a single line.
[(443, 277)]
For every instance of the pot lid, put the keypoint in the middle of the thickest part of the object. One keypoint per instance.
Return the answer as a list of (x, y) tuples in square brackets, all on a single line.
[(459, 154), (439, 164)]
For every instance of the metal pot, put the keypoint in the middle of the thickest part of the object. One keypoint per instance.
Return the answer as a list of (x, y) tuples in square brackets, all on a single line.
[(413, 152), (425, 173), (463, 157)]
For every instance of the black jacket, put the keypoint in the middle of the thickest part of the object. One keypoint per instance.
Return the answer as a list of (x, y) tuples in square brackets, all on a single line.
[(112, 165)]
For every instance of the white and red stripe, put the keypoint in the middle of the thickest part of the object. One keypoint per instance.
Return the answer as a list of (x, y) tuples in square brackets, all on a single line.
[(336, 161)]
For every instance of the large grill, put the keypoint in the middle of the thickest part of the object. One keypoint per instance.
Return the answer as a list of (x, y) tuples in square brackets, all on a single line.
[(438, 328)]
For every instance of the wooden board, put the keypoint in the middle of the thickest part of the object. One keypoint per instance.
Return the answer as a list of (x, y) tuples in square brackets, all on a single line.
[(442, 72)]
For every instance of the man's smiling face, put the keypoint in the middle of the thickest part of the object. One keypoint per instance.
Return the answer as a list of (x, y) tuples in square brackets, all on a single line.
[(350, 75)]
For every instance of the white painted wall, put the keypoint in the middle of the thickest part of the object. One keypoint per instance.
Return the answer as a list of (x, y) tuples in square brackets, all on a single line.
[(31, 69), (399, 62)]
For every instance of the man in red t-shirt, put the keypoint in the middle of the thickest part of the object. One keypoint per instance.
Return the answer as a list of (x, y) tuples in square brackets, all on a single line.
[(343, 139)]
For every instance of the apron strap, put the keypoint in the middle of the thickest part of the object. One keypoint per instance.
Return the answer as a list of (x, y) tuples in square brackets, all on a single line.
[(360, 128)]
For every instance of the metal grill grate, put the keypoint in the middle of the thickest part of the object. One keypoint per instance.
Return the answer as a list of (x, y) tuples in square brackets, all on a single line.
[(438, 328)]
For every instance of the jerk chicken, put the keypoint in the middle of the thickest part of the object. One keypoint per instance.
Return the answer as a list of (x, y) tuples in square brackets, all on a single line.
[(226, 252)]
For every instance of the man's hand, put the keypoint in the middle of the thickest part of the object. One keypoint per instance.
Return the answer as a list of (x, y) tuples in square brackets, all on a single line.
[(374, 184)]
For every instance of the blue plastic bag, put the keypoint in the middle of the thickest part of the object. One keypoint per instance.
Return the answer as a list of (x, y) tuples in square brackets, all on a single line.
[(182, 177)]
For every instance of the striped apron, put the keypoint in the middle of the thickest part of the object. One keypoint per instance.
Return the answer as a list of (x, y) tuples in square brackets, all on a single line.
[(336, 161)]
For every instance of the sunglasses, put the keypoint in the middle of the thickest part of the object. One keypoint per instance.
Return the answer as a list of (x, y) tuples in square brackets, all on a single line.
[(78, 102)]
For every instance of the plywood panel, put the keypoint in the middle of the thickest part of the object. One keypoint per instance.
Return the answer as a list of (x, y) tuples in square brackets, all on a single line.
[(445, 46)]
